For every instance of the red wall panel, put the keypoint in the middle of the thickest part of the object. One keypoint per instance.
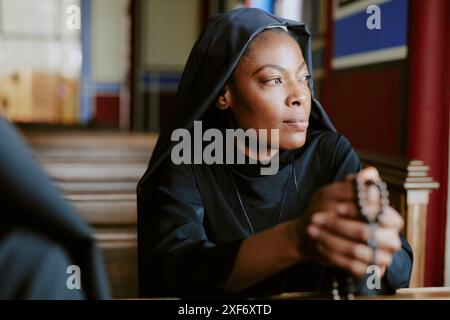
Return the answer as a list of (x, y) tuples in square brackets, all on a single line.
[(367, 106), (107, 109)]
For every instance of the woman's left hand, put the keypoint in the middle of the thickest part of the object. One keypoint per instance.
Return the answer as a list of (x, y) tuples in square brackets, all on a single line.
[(342, 239)]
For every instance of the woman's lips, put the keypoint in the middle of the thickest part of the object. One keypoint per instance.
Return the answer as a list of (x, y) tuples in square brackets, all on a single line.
[(297, 125)]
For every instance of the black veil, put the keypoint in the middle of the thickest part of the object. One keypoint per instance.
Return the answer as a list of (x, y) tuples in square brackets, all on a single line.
[(211, 62)]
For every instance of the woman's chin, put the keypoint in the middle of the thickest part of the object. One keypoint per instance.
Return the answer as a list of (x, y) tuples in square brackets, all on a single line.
[(292, 141)]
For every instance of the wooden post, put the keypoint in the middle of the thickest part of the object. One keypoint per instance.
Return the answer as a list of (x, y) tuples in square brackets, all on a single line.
[(418, 187)]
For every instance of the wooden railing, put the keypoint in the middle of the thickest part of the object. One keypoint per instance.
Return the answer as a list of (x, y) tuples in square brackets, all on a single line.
[(409, 187)]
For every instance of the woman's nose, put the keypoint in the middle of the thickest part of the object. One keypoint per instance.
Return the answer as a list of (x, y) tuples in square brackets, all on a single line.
[(297, 94)]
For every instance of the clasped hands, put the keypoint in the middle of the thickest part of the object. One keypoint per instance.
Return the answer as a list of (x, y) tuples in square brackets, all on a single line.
[(332, 232)]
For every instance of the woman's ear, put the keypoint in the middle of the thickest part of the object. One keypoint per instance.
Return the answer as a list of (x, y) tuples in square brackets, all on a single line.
[(224, 100)]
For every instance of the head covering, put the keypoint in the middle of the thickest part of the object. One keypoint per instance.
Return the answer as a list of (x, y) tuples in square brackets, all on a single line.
[(211, 62), (29, 201)]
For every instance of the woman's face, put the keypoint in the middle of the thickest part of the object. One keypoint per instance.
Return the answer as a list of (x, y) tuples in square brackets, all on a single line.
[(270, 89)]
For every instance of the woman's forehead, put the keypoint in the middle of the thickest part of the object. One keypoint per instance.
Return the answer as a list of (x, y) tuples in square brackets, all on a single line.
[(272, 48)]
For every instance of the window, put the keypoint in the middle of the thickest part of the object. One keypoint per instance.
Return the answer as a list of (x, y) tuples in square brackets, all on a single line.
[(40, 61)]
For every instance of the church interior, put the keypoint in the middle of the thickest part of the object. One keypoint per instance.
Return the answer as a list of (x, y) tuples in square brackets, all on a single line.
[(90, 83)]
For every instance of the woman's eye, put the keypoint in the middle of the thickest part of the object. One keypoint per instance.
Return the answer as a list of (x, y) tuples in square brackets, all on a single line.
[(274, 81), (306, 77)]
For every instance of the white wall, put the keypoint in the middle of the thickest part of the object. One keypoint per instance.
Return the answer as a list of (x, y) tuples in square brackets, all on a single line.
[(109, 40)]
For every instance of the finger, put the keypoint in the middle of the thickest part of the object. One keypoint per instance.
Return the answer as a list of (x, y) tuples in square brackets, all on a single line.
[(349, 228), (339, 191), (386, 238), (391, 219), (351, 249), (345, 209), (355, 267), (369, 173), (364, 253)]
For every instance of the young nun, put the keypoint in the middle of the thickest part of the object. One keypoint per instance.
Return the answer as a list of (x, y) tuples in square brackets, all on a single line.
[(226, 228)]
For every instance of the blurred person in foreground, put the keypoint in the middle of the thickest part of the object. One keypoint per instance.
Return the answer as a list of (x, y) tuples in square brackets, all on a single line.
[(43, 241)]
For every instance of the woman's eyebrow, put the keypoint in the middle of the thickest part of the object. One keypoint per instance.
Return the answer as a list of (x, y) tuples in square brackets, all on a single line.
[(265, 66), (277, 67)]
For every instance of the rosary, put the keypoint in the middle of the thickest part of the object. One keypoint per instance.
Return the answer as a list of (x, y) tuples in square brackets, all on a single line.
[(372, 199)]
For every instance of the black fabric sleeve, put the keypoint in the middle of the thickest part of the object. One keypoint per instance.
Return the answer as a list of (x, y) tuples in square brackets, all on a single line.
[(179, 260), (398, 273)]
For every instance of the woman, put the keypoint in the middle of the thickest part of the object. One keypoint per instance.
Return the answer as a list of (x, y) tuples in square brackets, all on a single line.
[(226, 229)]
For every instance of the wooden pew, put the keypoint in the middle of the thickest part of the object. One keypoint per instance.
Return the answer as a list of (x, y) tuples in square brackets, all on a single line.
[(98, 174), (113, 219), (95, 177)]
